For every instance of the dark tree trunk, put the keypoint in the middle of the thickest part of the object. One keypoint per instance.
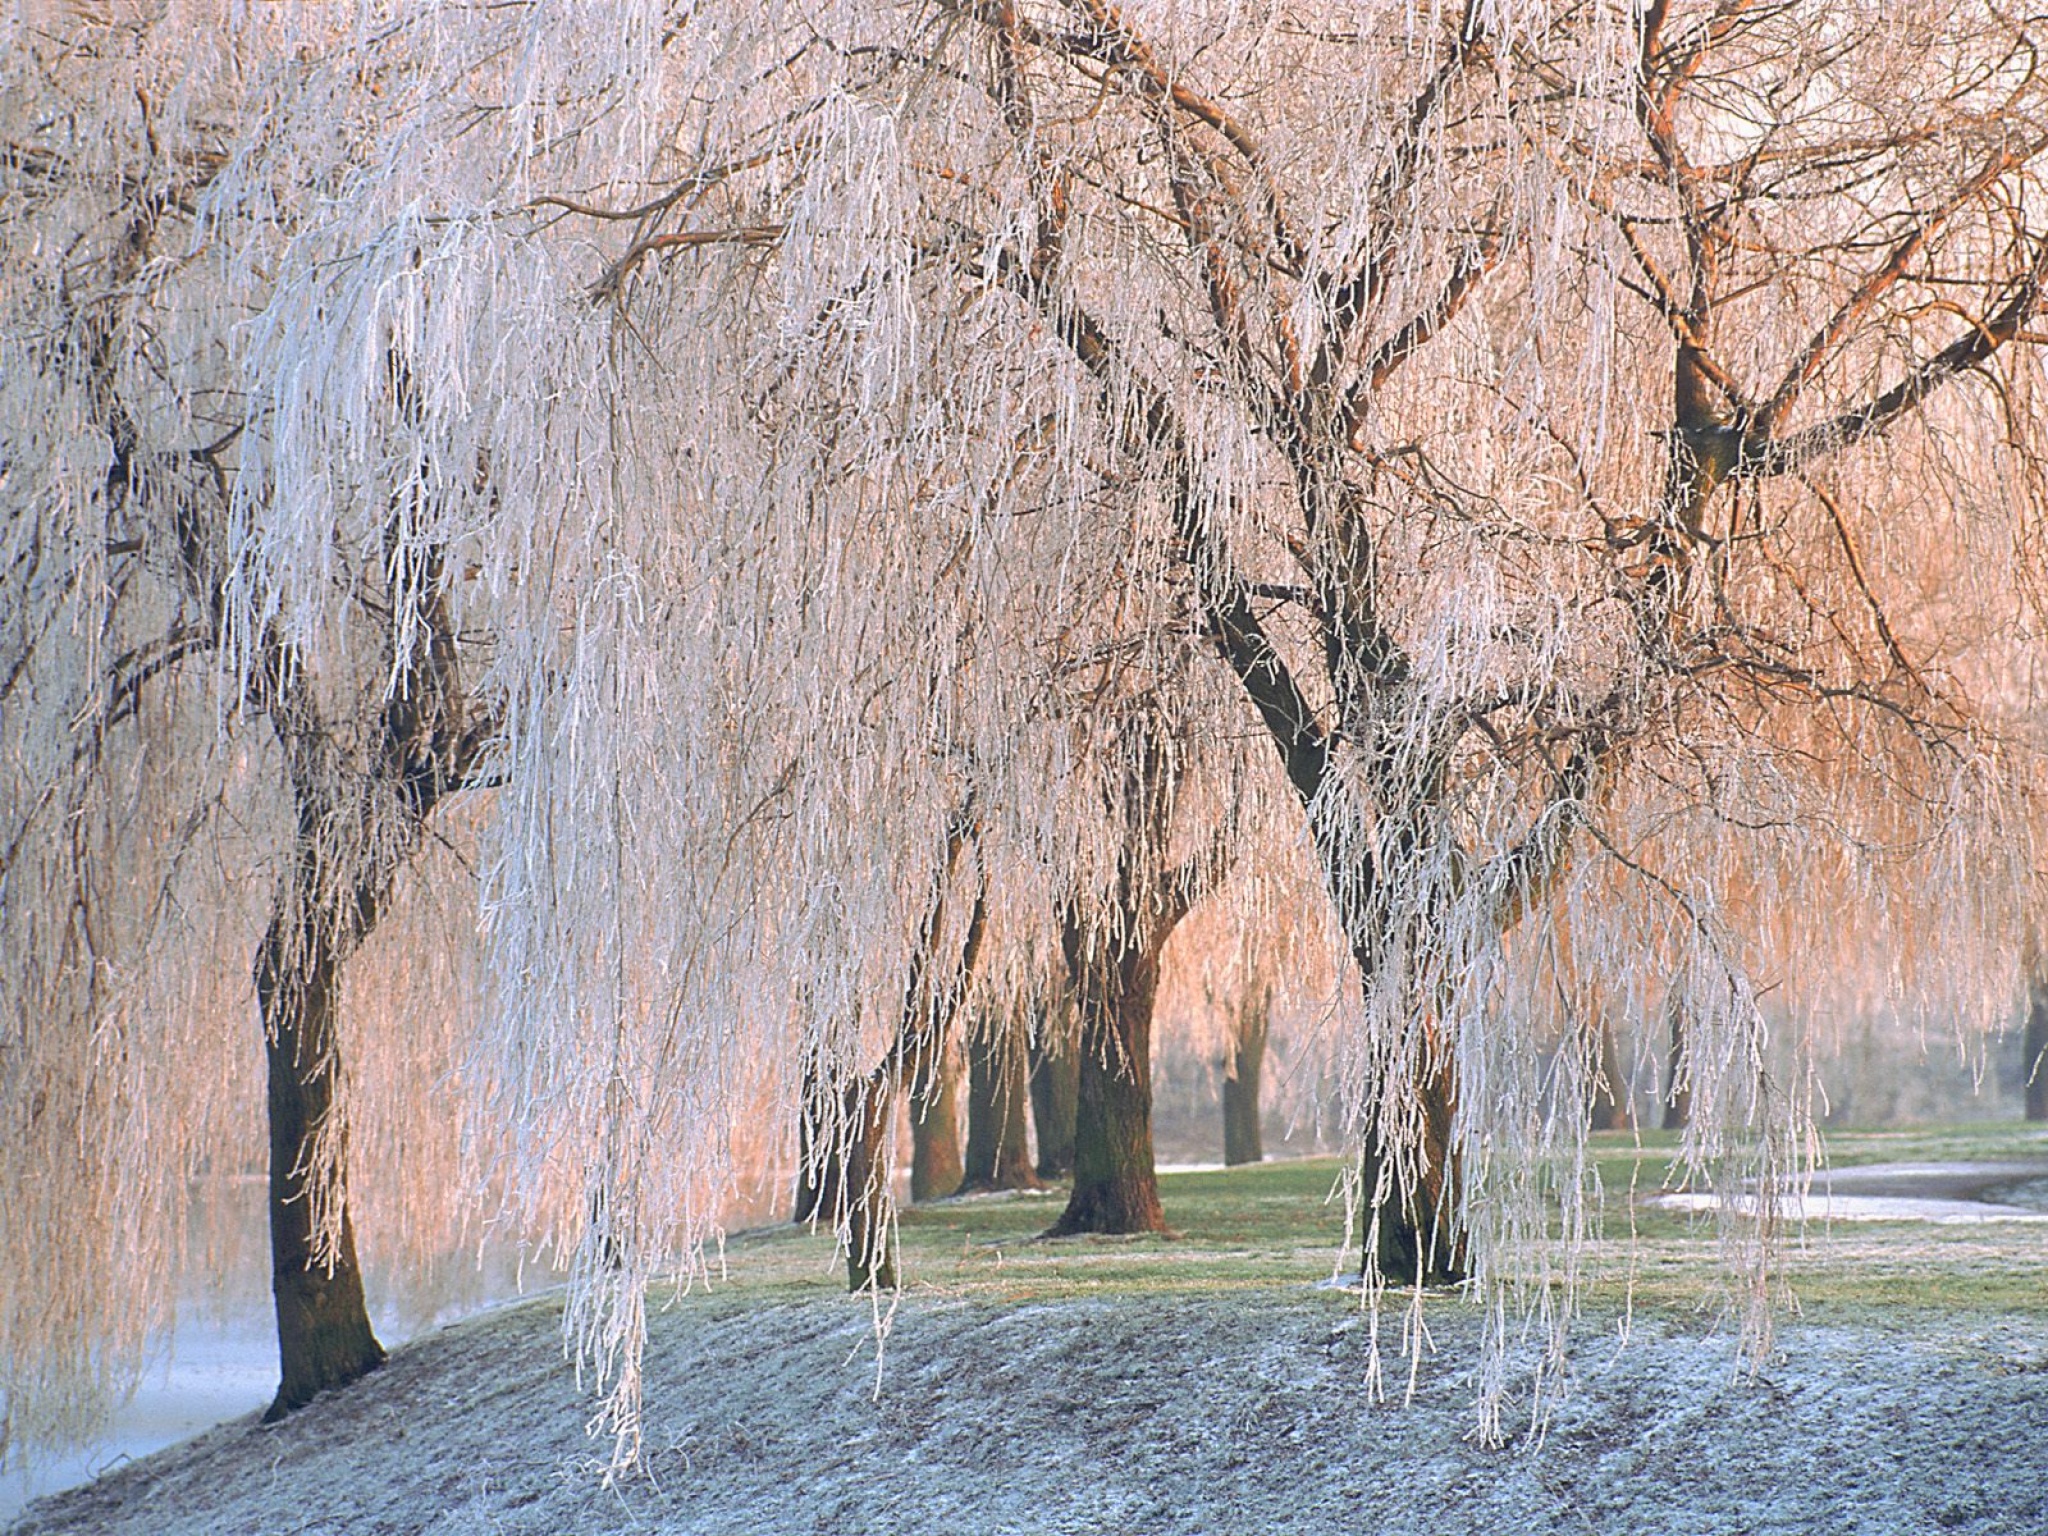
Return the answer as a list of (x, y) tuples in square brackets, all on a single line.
[(1610, 1109), (819, 1176), (870, 1257), (2037, 1043), (1055, 1092), (1678, 1084), (1411, 1188), (1112, 956), (361, 799), (998, 1154), (1116, 1188), (932, 993), (935, 1160), (323, 1327), (1242, 1141)]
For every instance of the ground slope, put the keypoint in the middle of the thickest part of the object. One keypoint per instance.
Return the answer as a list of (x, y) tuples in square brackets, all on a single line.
[(1242, 1411)]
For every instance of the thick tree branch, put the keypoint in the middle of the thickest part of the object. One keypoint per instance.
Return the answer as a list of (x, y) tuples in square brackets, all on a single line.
[(1223, 598), (1968, 351), (1857, 305), (1423, 327)]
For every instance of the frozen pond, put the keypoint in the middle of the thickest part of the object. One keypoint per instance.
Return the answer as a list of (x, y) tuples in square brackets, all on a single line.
[(1949, 1194), (217, 1371)]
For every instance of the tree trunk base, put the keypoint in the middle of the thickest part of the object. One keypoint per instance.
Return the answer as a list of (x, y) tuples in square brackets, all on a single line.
[(1055, 1090), (871, 1272), (326, 1340), (870, 1256), (1116, 1206), (2036, 1045), (936, 1163), (1402, 1242), (1413, 1231), (1242, 1141)]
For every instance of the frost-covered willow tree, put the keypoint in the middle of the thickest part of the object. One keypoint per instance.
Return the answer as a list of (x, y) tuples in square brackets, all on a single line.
[(862, 479), (407, 454), (1497, 631), (1318, 322), (212, 728), (1826, 234), (244, 661)]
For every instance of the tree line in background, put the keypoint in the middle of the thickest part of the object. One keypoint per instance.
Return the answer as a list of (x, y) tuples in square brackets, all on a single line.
[(822, 534)]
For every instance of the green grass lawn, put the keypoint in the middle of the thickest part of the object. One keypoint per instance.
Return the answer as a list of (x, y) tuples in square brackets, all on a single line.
[(1279, 1225)]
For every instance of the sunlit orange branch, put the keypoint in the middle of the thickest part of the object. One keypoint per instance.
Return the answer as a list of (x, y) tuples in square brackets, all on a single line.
[(1866, 293)]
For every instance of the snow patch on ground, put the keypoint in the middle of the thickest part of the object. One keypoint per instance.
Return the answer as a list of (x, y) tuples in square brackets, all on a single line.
[(1132, 1414), (1948, 1194), (1824, 1208)]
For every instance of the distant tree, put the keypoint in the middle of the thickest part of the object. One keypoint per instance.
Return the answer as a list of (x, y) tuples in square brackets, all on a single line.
[(998, 1154), (2034, 1041), (1611, 1109), (1677, 1088), (1055, 1086), (1243, 1071), (937, 1163)]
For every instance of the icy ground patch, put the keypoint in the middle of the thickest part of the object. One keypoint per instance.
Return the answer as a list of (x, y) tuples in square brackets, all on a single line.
[(1234, 1412), (218, 1372), (1951, 1194)]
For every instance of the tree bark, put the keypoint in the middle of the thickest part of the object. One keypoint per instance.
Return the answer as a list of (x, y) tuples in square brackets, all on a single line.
[(1116, 1187), (936, 1168), (1055, 1091), (2037, 1043), (870, 1255), (1242, 1138), (998, 1154), (819, 1174), (1610, 1109), (323, 1327), (1411, 1183)]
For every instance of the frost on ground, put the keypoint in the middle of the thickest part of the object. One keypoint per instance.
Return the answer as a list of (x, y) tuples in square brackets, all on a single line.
[(1232, 1412), (1951, 1194)]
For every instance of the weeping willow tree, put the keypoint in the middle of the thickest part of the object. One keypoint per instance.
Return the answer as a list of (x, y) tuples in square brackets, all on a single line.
[(1834, 232), (1457, 644), (1377, 405), (191, 740), (744, 436)]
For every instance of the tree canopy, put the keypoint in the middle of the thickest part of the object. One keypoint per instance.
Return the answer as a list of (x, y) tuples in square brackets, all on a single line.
[(730, 497)]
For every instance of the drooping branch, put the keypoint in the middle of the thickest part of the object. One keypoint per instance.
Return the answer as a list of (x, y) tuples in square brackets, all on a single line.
[(1464, 280), (614, 276), (1349, 298), (1224, 598), (934, 988)]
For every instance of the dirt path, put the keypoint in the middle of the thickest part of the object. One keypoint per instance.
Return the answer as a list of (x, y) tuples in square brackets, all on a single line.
[(1240, 1412)]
